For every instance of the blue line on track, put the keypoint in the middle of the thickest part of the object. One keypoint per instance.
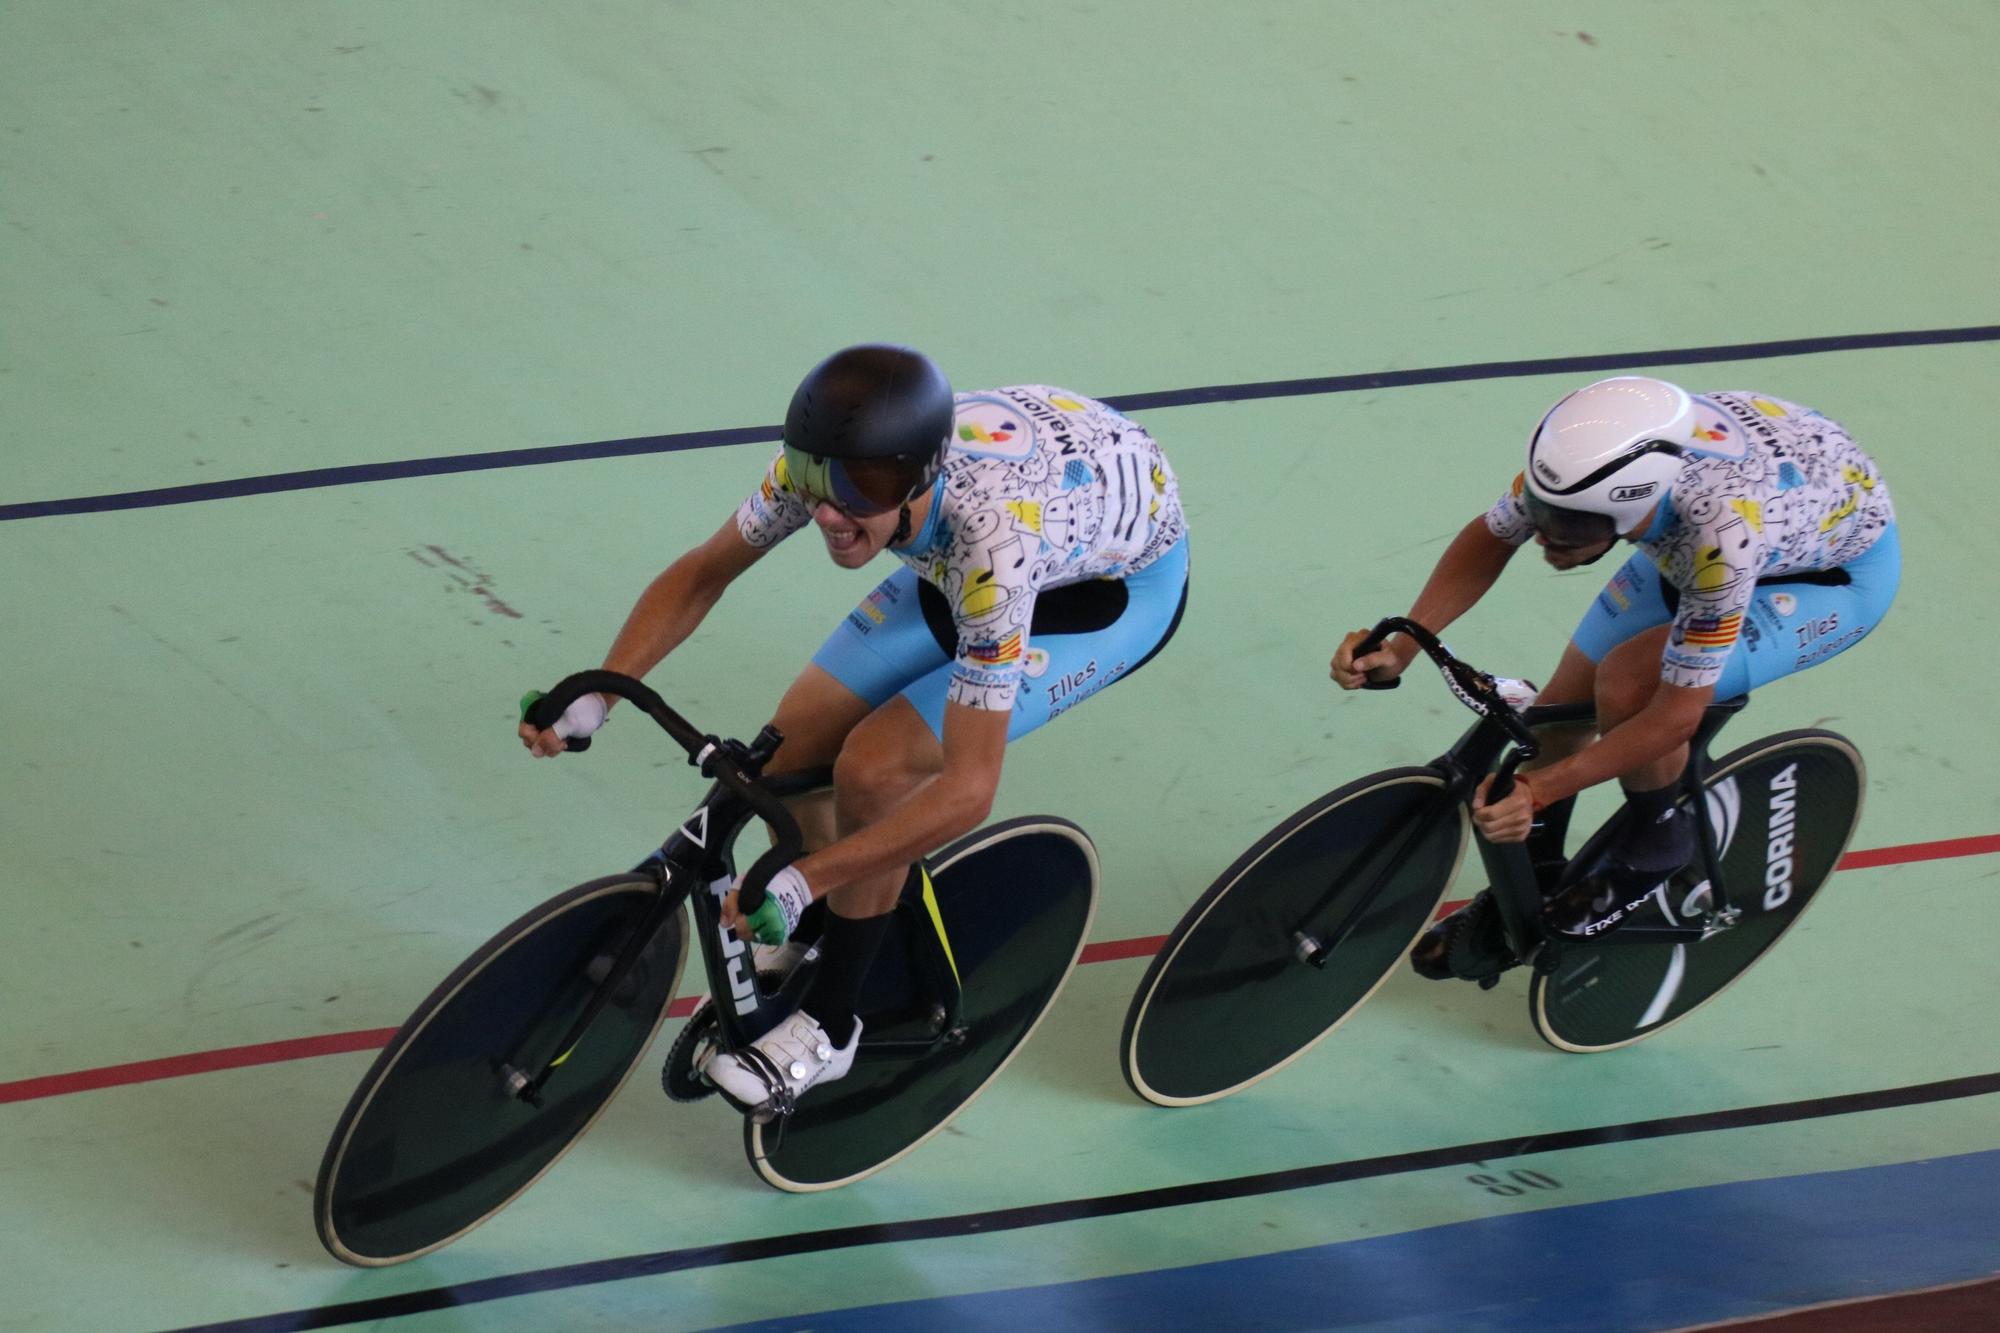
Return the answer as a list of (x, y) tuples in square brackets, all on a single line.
[(1667, 1260), (317, 478)]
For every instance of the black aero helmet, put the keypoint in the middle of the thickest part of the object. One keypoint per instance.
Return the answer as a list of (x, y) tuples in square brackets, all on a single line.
[(868, 427)]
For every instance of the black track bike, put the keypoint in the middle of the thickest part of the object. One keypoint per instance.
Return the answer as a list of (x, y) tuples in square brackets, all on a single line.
[(516, 1053), (1307, 923)]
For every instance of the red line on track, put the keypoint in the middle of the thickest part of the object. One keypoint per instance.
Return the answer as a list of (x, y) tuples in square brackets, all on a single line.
[(201, 1062), (340, 1043), (1920, 851), (1112, 950)]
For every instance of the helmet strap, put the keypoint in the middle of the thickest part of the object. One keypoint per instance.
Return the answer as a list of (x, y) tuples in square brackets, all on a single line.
[(902, 526)]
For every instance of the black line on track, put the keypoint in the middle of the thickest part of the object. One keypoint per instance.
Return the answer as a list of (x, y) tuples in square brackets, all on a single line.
[(600, 1271), (317, 478)]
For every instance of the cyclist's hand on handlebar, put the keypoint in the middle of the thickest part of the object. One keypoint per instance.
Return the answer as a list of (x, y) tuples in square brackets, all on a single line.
[(1351, 673), (786, 898), (1507, 820), (579, 720)]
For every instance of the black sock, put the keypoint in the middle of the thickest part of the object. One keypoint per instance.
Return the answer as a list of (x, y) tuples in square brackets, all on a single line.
[(1659, 835), (812, 922), (1650, 805), (847, 950)]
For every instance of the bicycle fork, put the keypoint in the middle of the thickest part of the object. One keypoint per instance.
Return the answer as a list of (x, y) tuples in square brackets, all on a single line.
[(528, 1088)]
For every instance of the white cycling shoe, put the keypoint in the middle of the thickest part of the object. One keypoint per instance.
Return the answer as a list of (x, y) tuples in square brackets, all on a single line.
[(774, 1071)]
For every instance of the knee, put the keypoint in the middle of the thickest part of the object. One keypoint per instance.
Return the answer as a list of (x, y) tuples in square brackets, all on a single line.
[(874, 772)]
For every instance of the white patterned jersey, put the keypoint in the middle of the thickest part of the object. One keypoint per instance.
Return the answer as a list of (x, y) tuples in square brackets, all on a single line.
[(1041, 488), (1776, 489)]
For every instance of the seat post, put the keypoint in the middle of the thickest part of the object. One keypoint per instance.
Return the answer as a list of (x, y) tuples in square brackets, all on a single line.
[(1694, 781), (1713, 719)]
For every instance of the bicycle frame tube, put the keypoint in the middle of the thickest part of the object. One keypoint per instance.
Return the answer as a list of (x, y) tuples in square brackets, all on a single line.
[(695, 863), (698, 861), (1523, 893), (1510, 873), (701, 853)]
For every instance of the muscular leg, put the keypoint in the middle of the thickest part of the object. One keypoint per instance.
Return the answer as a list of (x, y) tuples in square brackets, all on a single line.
[(878, 757), (1621, 684), (1656, 837), (888, 756), (1574, 682), (1626, 681), (825, 721), (815, 717)]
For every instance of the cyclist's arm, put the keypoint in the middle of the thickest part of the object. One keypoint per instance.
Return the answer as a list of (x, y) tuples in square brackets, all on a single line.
[(679, 599), (944, 806), (1668, 720), (1468, 567), (666, 613)]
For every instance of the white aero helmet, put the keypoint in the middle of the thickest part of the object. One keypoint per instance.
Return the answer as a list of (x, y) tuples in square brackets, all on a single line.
[(1605, 455)]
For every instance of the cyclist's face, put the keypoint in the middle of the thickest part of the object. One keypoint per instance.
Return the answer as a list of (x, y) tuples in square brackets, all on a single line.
[(1572, 557), (853, 539)]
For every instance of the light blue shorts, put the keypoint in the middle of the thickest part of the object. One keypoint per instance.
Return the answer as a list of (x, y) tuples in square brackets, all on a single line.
[(1794, 621), (1083, 637)]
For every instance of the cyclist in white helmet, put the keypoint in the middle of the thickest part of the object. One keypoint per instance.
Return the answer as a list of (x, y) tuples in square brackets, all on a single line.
[(1766, 544)]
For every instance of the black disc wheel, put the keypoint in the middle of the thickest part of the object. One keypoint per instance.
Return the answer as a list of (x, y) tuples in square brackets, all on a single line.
[(434, 1141), (1234, 996), (1016, 901), (1783, 809)]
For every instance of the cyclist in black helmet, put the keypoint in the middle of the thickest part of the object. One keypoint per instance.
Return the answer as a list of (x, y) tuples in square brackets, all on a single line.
[(989, 500)]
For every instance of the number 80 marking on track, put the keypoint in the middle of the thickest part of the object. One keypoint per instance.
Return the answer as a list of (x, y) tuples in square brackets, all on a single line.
[(1521, 1182)]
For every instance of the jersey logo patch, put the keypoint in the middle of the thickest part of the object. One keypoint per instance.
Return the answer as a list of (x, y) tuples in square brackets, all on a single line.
[(993, 428), (1713, 631), (996, 654)]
